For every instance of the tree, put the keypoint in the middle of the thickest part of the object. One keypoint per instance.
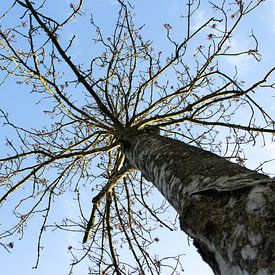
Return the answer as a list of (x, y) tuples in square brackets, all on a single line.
[(126, 118)]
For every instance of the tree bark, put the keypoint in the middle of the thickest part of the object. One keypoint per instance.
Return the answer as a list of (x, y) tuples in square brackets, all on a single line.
[(226, 208)]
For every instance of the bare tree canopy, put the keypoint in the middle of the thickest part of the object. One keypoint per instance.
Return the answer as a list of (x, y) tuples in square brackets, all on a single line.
[(129, 115)]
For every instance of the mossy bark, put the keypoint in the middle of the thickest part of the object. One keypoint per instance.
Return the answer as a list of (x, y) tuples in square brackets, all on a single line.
[(226, 208)]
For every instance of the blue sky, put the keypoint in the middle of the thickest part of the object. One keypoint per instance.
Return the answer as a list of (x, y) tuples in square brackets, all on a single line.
[(21, 105)]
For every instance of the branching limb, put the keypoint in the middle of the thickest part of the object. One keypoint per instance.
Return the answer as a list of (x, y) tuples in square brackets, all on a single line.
[(114, 178)]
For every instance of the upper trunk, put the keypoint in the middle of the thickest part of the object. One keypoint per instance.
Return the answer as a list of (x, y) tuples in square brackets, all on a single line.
[(226, 208)]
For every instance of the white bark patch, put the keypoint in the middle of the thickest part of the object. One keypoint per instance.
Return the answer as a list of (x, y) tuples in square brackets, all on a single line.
[(263, 271), (256, 201), (248, 252), (224, 183), (255, 239), (227, 268)]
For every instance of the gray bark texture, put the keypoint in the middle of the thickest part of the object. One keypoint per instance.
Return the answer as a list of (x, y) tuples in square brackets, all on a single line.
[(226, 208)]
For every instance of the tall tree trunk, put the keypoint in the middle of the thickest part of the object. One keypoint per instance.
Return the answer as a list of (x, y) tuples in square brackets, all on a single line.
[(227, 209)]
